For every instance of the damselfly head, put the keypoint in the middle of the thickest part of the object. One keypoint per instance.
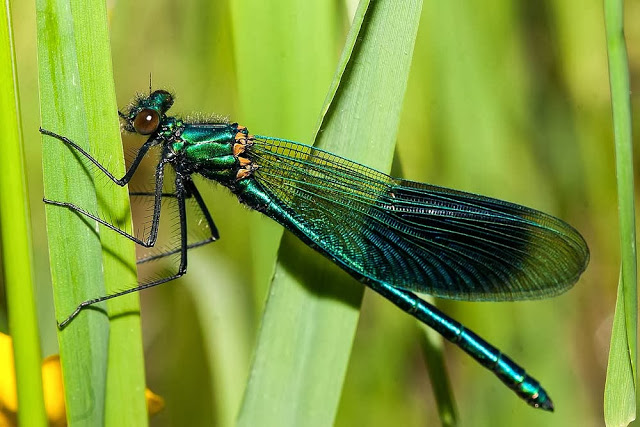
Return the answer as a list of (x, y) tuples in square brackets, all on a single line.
[(145, 113)]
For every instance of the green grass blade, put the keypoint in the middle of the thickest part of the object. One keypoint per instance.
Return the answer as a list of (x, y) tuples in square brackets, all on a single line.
[(125, 400), (312, 311), (101, 361), (620, 388), (281, 84), (15, 231), (75, 268)]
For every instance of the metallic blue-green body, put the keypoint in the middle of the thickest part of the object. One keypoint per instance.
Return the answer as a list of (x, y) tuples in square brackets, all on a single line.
[(395, 236), (208, 150)]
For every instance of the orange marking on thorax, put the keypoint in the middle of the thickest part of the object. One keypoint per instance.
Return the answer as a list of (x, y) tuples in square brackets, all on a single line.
[(246, 171), (238, 149)]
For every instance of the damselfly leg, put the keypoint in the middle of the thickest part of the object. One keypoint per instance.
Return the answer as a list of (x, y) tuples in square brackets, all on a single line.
[(184, 188)]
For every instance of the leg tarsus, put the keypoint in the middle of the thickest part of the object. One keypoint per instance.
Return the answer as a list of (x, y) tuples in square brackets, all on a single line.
[(85, 304), (81, 211)]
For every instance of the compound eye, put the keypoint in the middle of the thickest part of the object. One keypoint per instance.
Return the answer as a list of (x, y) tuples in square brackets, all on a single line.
[(146, 121)]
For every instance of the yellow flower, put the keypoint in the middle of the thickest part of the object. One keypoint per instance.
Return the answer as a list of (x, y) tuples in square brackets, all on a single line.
[(53, 389), (8, 395)]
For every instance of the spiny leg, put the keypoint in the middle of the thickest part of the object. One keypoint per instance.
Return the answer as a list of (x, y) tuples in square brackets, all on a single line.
[(191, 190), (174, 251), (157, 204), (129, 173), (182, 269)]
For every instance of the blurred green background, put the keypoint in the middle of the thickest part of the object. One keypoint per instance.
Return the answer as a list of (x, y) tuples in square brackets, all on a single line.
[(511, 101)]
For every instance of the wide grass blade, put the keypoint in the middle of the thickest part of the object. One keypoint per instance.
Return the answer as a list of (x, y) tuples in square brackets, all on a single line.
[(282, 82), (620, 388), (101, 361), (15, 230), (311, 315)]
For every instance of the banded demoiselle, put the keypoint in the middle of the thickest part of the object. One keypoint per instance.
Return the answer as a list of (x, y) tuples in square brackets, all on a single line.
[(395, 236)]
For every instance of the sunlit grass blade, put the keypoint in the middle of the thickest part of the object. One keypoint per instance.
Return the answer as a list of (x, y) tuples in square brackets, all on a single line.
[(15, 230), (101, 360), (296, 54), (620, 389), (311, 315), (75, 268), (125, 386)]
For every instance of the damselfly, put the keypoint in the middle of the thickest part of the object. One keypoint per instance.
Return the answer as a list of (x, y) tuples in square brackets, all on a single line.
[(395, 236)]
